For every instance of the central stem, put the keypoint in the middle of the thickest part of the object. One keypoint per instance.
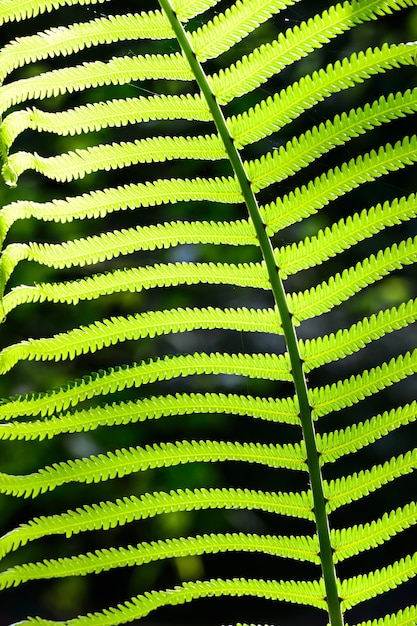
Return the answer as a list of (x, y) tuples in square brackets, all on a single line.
[(278, 290)]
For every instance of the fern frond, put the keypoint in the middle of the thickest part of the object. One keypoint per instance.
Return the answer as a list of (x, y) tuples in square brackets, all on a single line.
[(70, 39), (300, 151), (344, 234), (351, 541), (134, 280), (104, 201), (349, 488), (339, 443), (106, 246), (99, 115), (212, 61), (228, 28), (302, 548), (351, 390), (283, 410), (109, 331), (321, 350), (268, 60), (109, 245), (99, 248), (340, 287), (108, 514), (186, 10), (308, 199), (269, 366), (300, 592), (123, 461), (79, 163), (117, 71), (366, 586), (275, 112), (23, 9), (406, 617)]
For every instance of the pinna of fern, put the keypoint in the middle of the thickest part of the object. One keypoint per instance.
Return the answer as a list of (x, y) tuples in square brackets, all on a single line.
[(253, 233)]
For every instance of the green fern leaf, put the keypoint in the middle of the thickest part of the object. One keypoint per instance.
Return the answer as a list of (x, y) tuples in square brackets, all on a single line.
[(402, 618), (123, 462), (351, 541), (208, 310), (283, 410), (367, 586), (275, 367), (107, 332), (347, 392), (349, 488), (65, 41), (110, 514), (330, 347), (299, 547), (99, 115), (275, 112), (300, 592), (66, 167), (338, 443)]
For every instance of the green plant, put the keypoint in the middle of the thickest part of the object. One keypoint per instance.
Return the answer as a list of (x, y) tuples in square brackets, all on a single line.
[(233, 138)]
